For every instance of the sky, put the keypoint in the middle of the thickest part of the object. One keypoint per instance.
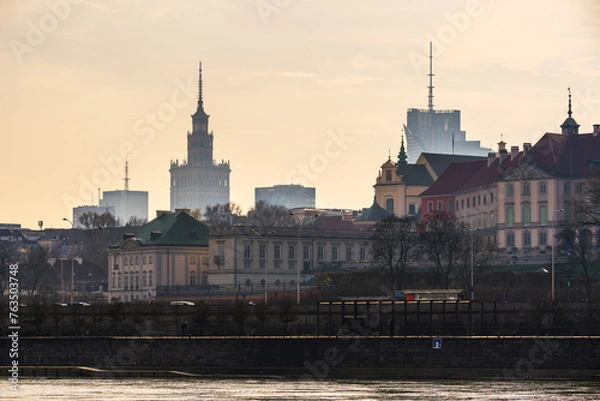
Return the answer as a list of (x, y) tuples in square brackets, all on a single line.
[(310, 92)]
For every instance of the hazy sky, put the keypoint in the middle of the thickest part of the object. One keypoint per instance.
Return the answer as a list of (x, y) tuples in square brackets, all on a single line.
[(299, 91)]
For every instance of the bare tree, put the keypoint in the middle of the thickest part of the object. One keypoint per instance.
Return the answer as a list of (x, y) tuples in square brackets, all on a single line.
[(395, 245), (223, 215), (95, 220), (483, 250), (443, 240), (36, 269), (267, 215), (135, 221)]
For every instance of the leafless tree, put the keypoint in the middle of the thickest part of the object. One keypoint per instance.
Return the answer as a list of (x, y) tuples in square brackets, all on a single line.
[(395, 246)]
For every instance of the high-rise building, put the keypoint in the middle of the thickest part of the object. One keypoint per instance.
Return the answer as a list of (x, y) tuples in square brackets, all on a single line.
[(437, 131), (199, 181), (289, 196)]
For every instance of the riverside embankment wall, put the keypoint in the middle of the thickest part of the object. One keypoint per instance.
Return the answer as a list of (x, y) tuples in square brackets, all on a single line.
[(321, 357)]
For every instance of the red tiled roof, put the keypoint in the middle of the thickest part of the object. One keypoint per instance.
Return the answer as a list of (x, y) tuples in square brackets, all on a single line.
[(453, 178)]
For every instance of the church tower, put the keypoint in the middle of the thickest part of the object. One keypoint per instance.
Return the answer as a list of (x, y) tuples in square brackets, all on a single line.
[(199, 181)]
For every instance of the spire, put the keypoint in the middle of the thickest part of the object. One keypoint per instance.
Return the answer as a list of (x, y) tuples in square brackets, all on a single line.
[(430, 75), (402, 155), (200, 100), (126, 179), (570, 126)]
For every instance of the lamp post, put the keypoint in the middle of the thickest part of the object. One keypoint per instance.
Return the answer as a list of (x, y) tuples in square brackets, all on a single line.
[(264, 239), (473, 264), (72, 261), (553, 241), (300, 259), (62, 281)]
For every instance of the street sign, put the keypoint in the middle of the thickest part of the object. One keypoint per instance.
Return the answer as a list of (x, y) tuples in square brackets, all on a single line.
[(437, 343)]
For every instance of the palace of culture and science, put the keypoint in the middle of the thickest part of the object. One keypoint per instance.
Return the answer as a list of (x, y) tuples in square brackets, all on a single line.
[(199, 181)]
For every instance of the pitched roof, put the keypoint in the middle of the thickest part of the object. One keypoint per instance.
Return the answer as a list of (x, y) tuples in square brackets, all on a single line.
[(566, 156), (414, 174), (373, 214), (172, 229), (454, 178), (439, 162)]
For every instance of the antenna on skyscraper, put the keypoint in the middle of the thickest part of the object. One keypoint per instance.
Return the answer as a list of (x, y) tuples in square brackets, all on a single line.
[(430, 75), (126, 179)]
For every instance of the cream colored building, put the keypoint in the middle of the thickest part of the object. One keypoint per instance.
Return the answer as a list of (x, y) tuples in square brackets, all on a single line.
[(168, 253)]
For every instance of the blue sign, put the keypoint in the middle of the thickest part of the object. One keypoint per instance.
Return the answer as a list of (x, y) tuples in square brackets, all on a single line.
[(437, 343)]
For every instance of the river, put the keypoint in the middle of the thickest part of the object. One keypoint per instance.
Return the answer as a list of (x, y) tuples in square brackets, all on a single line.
[(291, 390)]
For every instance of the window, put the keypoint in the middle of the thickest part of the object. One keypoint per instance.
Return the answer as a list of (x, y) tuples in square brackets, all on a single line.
[(116, 263), (462, 203), (492, 219), (429, 207), (277, 264), (449, 210), (145, 279), (114, 280), (145, 260), (320, 252), (578, 188), (473, 201), (137, 260), (510, 239), (149, 260), (543, 215), (491, 197), (439, 206), (478, 200), (509, 190), (526, 190), (543, 238), (277, 251), (126, 280), (389, 205), (526, 239), (192, 278), (247, 251), (567, 187), (510, 216), (363, 253), (221, 251), (484, 219), (150, 279), (388, 175), (468, 202), (334, 253), (484, 199), (131, 260), (456, 205), (292, 265), (306, 252), (349, 253), (262, 251), (119, 280), (411, 209), (261, 264), (125, 259), (542, 187), (292, 252), (526, 214), (248, 264)]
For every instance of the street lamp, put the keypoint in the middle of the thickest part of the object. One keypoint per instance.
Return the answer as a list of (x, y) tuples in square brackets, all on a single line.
[(301, 258), (553, 241), (264, 239), (72, 261), (473, 264), (62, 281)]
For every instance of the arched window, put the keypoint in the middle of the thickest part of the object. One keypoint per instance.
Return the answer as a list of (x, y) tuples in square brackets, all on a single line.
[(119, 280), (193, 278), (144, 278), (389, 205), (114, 280), (150, 279), (126, 280)]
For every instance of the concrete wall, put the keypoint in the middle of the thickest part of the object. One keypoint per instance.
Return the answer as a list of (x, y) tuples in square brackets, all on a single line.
[(502, 357)]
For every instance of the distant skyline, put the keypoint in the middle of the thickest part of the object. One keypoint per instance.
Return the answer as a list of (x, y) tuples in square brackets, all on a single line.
[(310, 92)]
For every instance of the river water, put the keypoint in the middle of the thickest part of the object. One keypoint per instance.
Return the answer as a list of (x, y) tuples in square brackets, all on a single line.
[(292, 390)]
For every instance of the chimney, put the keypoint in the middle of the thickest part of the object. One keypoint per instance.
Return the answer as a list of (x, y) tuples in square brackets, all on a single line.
[(490, 159), (514, 152), (526, 148), (596, 131), (161, 213)]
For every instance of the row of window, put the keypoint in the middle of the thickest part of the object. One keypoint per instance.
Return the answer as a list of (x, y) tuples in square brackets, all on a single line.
[(131, 281), (542, 239), (132, 261), (481, 220), (542, 188), (306, 251), (526, 215)]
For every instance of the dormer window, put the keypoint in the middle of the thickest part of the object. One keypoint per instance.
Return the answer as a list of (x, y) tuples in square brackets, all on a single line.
[(388, 175)]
